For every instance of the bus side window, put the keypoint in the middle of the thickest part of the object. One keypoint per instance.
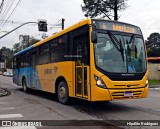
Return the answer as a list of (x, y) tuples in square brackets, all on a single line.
[(19, 62), (14, 63), (26, 60), (22, 60), (58, 48), (44, 56), (86, 50), (53, 46)]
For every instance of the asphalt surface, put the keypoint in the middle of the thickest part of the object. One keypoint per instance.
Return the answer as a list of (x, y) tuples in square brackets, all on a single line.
[(3, 92), (38, 105)]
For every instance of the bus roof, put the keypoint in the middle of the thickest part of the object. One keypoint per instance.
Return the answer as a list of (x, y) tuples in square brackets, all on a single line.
[(113, 21), (77, 25), (116, 26)]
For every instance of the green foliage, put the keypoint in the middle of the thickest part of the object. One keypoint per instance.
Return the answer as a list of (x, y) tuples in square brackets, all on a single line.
[(154, 82), (153, 45), (33, 41), (6, 56), (103, 8), (17, 47)]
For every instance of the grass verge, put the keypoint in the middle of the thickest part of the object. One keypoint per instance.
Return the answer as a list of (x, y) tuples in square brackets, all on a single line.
[(154, 82)]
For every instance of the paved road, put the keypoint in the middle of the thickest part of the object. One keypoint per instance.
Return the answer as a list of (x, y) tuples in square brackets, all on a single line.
[(38, 105), (3, 92)]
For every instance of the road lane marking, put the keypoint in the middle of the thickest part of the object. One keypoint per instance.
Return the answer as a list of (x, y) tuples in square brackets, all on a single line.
[(3, 102), (10, 116), (6, 108), (19, 127)]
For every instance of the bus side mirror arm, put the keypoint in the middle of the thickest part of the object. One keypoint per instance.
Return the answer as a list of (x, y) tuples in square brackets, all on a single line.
[(94, 36)]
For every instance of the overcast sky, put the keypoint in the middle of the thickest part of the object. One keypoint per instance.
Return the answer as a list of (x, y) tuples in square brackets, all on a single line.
[(143, 13)]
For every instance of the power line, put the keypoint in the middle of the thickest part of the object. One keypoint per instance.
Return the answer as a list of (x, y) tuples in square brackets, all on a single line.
[(1, 6), (11, 22), (56, 25), (10, 14), (5, 12)]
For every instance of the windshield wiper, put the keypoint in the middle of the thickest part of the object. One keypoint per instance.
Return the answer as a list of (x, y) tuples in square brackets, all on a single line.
[(117, 44), (132, 40)]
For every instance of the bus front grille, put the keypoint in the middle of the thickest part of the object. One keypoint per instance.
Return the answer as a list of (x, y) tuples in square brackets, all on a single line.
[(129, 86), (123, 94)]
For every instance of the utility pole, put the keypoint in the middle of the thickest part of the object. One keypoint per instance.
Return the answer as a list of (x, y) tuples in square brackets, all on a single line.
[(116, 10), (63, 23)]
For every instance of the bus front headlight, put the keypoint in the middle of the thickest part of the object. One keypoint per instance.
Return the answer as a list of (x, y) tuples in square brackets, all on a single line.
[(99, 82), (147, 82)]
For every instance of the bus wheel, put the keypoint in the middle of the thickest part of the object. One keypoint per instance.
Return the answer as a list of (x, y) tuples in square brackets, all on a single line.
[(24, 85), (62, 92)]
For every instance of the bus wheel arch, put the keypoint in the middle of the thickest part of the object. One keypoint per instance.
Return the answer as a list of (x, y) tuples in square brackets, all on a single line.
[(62, 90)]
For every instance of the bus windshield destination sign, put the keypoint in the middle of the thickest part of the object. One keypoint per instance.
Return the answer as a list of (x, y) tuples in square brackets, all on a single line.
[(115, 26)]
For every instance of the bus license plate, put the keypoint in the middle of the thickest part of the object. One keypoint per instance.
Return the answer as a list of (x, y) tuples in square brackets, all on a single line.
[(128, 94)]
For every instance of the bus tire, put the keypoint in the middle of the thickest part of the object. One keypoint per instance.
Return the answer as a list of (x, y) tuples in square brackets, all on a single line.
[(62, 92), (24, 85)]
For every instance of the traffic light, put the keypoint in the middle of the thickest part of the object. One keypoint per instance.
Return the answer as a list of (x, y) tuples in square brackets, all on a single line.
[(42, 25)]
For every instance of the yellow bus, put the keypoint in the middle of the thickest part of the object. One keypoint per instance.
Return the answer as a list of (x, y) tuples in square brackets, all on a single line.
[(95, 60)]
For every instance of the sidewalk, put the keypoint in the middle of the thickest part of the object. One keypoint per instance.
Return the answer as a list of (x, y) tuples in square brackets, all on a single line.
[(154, 86), (2, 92)]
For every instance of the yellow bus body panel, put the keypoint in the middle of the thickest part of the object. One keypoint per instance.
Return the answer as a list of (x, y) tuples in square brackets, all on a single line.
[(61, 69)]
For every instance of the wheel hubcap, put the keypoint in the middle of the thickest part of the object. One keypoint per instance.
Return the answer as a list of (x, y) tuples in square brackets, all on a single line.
[(62, 93)]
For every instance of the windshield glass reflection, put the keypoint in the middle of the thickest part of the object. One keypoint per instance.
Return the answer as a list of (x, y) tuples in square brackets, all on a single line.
[(120, 54)]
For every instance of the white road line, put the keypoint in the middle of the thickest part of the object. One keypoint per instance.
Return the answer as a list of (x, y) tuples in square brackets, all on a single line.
[(10, 116), (6, 108), (3, 102), (19, 127)]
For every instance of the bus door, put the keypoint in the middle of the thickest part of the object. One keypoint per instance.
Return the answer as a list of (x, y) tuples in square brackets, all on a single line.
[(33, 70), (81, 55)]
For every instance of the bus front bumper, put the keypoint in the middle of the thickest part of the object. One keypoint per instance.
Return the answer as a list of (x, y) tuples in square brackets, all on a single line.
[(99, 94), (129, 93)]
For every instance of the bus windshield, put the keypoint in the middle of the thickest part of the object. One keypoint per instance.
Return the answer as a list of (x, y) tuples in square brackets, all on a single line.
[(116, 53)]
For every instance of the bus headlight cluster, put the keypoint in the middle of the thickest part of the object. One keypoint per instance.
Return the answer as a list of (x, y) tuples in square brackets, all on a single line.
[(147, 82), (99, 82)]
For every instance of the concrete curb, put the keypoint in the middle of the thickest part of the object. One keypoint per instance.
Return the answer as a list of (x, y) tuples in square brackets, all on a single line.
[(154, 86)]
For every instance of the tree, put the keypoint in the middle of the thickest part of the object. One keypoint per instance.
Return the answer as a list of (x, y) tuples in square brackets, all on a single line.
[(24, 41), (33, 41), (7, 55), (103, 8), (153, 45), (1, 57), (153, 41), (24, 44), (16, 47)]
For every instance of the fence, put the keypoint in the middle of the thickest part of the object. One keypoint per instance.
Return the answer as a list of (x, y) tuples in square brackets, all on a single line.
[(154, 74)]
